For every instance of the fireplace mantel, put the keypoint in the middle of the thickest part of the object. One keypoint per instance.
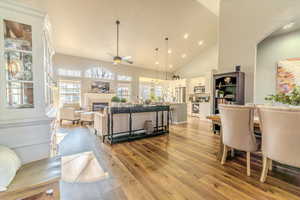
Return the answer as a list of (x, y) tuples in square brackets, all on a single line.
[(90, 98)]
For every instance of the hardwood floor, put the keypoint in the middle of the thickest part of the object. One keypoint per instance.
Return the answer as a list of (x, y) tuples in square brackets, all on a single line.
[(181, 165)]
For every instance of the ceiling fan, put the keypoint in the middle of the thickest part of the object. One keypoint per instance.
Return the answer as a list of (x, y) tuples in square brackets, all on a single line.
[(116, 58)]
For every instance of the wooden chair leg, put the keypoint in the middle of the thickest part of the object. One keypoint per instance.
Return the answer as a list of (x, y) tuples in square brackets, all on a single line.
[(265, 168), (248, 164), (225, 150), (270, 165), (232, 152)]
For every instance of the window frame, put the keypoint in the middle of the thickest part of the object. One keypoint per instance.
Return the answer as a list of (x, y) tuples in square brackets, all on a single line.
[(76, 94), (129, 91)]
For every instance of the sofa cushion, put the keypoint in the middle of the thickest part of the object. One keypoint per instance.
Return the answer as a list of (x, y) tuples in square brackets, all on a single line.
[(9, 165)]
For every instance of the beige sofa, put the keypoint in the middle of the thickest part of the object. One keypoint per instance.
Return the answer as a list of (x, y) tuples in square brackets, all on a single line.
[(121, 121), (100, 123)]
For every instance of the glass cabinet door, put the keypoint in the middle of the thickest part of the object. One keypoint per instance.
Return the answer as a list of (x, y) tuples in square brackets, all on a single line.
[(18, 64)]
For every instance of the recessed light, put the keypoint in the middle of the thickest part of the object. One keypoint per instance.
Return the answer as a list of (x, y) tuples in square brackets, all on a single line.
[(169, 51), (186, 36), (171, 66), (200, 42), (157, 63), (183, 55), (290, 25)]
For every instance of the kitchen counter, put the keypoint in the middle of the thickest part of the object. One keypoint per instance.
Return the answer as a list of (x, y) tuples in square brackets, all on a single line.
[(178, 113)]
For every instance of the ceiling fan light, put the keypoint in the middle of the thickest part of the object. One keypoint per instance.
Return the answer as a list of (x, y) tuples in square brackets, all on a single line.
[(117, 59)]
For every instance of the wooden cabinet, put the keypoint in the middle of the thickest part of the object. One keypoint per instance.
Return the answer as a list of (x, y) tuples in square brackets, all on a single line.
[(229, 88)]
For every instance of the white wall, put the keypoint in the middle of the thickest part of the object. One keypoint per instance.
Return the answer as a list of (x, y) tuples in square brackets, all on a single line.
[(199, 66), (243, 24), (78, 63), (269, 52)]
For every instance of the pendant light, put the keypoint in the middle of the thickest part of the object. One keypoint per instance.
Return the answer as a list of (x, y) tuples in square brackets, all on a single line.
[(167, 56), (156, 51)]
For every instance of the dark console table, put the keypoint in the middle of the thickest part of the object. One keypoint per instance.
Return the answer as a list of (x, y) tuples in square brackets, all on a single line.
[(159, 128)]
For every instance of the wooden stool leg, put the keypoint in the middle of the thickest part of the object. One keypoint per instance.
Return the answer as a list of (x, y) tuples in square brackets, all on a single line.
[(270, 165), (232, 152), (225, 150), (265, 168), (248, 163)]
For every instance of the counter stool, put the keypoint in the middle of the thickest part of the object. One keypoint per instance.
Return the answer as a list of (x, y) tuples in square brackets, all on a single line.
[(87, 117)]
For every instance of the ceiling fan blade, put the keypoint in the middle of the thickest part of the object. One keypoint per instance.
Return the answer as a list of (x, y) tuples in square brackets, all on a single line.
[(126, 57), (129, 61)]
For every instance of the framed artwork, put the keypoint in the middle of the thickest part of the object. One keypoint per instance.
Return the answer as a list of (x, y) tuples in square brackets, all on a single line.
[(100, 87), (288, 75)]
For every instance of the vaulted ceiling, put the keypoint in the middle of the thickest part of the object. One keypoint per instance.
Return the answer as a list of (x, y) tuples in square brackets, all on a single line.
[(87, 28)]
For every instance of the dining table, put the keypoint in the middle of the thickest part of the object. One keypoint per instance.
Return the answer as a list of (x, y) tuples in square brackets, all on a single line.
[(216, 121)]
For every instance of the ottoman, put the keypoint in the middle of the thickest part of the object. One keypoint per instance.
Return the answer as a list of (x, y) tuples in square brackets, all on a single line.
[(87, 117)]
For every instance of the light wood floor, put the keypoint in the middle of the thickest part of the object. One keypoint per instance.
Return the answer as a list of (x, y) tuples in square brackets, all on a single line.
[(181, 165)]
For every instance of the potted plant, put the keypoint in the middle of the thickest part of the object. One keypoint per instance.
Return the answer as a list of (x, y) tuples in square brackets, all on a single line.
[(123, 100), (291, 98), (115, 101), (221, 94)]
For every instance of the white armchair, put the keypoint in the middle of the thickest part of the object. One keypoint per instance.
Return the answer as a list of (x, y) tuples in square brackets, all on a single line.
[(68, 114), (75, 106)]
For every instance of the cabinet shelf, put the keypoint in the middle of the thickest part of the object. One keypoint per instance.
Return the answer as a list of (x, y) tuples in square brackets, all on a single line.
[(223, 86), (18, 50), (19, 81)]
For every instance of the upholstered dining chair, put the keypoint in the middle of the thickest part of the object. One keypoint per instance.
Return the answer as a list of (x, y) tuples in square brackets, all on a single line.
[(280, 127), (238, 130)]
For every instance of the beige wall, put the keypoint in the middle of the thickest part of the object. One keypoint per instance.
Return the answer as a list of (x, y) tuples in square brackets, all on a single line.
[(243, 24), (78, 63)]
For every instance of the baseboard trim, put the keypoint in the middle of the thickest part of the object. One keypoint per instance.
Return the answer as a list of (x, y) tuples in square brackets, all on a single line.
[(176, 123)]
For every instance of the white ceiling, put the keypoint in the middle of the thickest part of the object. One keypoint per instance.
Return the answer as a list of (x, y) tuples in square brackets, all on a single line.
[(212, 5), (87, 28), (281, 30)]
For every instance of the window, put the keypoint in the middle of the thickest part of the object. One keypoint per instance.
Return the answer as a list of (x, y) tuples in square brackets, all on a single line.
[(145, 91), (69, 72), (69, 92), (123, 91), (124, 78), (99, 73), (151, 91), (158, 91)]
